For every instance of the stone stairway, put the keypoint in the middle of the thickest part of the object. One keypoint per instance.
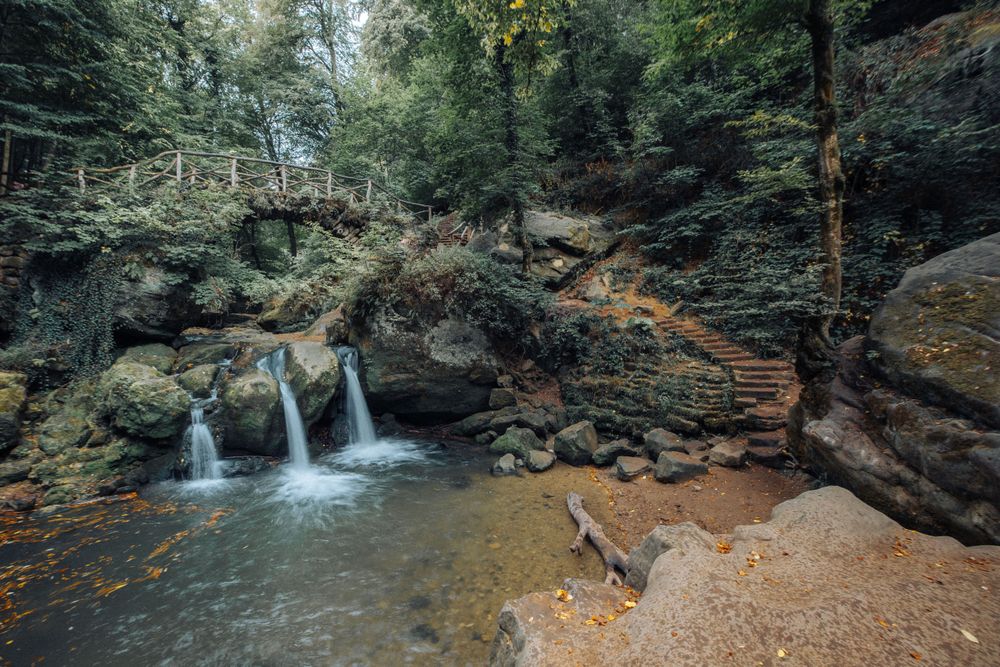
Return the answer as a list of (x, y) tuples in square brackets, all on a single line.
[(763, 389)]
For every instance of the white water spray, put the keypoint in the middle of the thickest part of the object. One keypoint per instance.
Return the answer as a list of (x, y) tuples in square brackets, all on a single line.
[(298, 452), (362, 430)]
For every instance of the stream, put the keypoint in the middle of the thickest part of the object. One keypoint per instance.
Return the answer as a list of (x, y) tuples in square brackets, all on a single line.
[(390, 552)]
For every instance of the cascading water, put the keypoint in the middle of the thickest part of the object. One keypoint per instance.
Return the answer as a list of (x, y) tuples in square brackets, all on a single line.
[(361, 428), (298, 452), (204, 457)]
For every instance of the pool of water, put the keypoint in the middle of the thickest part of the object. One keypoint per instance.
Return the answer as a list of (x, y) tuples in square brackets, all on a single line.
[(390, 553)]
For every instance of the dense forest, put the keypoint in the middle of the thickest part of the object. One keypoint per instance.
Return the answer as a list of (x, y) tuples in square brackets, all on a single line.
[(691, 123)]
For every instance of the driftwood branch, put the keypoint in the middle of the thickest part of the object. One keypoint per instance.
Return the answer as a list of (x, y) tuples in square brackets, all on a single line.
[(614, 558)]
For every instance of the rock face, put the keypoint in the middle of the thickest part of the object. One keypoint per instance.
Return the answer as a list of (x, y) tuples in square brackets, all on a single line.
[(425, 371), (937, 334), (151, 307), (252, 417), (925, 445), (313, 372), (827, 606), (12, 397), (576, 444), (917, 462)]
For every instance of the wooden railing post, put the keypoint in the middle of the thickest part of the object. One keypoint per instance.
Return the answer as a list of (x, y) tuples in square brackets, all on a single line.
[(131, 178), (430, 213), (81, 180), (368, 192), (329, 184), (284, 178), (178, 170), (233, 178)]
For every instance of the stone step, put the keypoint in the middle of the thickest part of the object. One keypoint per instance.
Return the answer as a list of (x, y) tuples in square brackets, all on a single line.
[(722, 347), (779, 376), (776, 384), (767, 417), (766, 438), (731, 358), (756, 393), (771, 457), (763, 365), (745, 402)]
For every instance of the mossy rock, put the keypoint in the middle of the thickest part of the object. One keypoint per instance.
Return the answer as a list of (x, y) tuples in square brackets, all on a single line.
[(252, 416), (312, 370), (517, 441), (62, 431), (12, 398), (198, 381), (143, 402), (937, 335), (159, 356)]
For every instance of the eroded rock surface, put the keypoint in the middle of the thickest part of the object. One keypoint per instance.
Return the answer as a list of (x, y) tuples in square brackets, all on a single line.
[(828, 580)]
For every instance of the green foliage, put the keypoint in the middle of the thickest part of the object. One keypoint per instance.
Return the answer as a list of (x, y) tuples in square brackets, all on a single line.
[(453, 282)]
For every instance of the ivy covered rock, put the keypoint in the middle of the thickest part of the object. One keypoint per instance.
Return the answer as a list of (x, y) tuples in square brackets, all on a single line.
[(12, 397), (143, 402), (251, 416), (312, 370)]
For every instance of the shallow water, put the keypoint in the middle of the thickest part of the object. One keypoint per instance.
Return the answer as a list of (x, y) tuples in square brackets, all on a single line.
[(386, 553)]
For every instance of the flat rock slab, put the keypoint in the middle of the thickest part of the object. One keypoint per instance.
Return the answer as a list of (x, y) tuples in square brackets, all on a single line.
[(828, 580), (673, 467), (630, 467), (731, 454)]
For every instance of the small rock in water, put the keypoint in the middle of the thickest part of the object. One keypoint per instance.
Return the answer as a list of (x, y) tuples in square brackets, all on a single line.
[(486, 438), (505, 466)]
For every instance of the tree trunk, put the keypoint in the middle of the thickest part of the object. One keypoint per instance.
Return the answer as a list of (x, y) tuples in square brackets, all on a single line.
[(5, 175), (515, 185), (815, 358), (293, 246), (614, 558)]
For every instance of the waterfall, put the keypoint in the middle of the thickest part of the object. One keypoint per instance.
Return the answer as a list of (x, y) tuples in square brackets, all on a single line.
[(359, 419), (298, 452), (204, 457)]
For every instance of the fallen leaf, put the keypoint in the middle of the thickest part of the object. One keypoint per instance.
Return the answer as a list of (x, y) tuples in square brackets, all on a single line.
[(723, 547), (915, 655), (629, 604), (971, 637), (741, 573), (781, 653), (563, 595)]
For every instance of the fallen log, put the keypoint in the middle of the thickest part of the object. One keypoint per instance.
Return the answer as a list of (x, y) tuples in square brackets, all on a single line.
[(614, 558)]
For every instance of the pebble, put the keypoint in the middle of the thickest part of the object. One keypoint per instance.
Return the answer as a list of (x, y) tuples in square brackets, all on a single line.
[(696, 488)]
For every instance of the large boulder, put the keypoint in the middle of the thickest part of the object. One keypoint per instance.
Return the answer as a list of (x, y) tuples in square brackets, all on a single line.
[(251, 417), (12, 397), (674, 467), (837, 582), (937, 335), (142, 401), (919, 463), (576, 444), (152, 306), (312, 370), (563, 241), (425, 369)]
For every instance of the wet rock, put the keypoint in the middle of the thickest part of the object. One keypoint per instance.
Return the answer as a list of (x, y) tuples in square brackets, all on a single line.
[(14, 470), (13, 394), (937, 335), (486, 438), (61, 495), (505, 466), (517, 441), (312, 370), (198, 354), (331, 325), (160, 468), (683, 536), (673, 467), (159, 356), (540, 460), (479, 422), (251, 416), (502, 398), (661, 440), (576, 444), (243, 466), (388, 426), (630, 467), (198, 381), (731, 454), (606, 454), (62, 431)]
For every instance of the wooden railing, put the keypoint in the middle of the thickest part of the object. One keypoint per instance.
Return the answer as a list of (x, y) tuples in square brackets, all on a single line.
[(194, 168)]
